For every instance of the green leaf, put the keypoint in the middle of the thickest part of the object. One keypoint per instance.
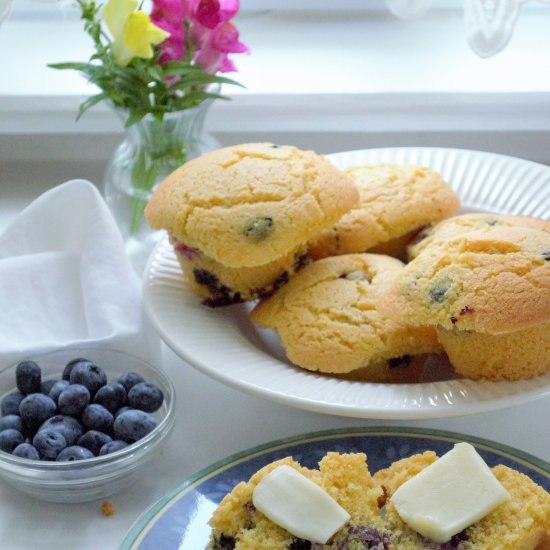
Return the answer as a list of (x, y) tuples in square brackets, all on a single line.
[(90, 102)]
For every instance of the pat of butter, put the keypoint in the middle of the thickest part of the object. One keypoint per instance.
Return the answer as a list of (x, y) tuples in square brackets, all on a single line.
[(298, 505), (451, 494)]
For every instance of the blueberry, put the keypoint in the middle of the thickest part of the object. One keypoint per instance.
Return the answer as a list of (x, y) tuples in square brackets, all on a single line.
[(9, 439), (440, 290), (35, 409), (69, 427), (97, 417), (146, 397), (12, 421), (57, 388), (94, 441), (225, 542), (121, 410), (130, 379), (46, 386), (28, 377), (88, 374), (111, 396), (134, 424), (49, 443), (75, 452), (368, 537), (438, 294), (112, 446), (401, 361), (258, 228), (69, 367), (73, 399), (296, 544), (11, 402), (26, 450)]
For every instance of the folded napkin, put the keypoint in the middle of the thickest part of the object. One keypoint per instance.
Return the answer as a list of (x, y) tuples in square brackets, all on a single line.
[(65, 279)]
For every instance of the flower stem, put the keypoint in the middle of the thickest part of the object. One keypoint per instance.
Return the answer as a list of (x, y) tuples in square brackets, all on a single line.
[(148, 169)]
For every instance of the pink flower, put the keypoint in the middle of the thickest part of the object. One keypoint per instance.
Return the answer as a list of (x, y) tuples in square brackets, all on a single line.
[(169, 15), (212, 34), (211, 13), (223, 40)]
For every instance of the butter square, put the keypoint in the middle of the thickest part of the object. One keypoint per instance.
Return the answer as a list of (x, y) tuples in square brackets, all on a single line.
[(451, 494)]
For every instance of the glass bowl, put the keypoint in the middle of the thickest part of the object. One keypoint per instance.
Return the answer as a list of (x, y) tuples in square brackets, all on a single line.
[(98, 477)]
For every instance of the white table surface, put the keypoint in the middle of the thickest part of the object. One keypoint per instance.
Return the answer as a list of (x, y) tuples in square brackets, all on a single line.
[(213, 421)]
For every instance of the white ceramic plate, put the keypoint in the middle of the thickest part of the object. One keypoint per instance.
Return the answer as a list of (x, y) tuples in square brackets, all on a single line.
[(224, 344)]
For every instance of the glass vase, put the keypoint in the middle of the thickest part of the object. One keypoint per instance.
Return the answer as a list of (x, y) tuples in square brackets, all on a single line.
[(150, 151)]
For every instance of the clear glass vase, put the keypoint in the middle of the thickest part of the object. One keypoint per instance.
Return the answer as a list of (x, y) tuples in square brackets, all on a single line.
[(151, 150)]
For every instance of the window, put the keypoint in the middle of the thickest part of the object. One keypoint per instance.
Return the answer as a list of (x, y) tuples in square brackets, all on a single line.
[(348, 69)]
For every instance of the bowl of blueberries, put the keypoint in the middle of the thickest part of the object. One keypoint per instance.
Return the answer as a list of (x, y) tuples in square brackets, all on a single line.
[(78, 424)]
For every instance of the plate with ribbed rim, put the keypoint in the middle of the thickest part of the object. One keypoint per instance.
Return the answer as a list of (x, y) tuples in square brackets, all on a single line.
[(224, 344), (179, 519)]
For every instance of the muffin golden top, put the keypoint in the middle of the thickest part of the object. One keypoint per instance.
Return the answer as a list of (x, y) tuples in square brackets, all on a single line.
[(489, 276), (394, 201), (249, 204), (328, 315)]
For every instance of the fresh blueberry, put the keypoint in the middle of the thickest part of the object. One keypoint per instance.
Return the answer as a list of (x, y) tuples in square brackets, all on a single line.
[(46, 386), (130, 379), (9, 439), (121, 410), (26, 450), (35, 409), (12, 421), (49, 443), (146, 397), (57, 388), (112, 396), (69, 367), (73, 399), (134, 424), (88, 374), (70, 427), (75, 452), (112, 446), (94, 441), (11, 402), (97, 417), (28, 377)]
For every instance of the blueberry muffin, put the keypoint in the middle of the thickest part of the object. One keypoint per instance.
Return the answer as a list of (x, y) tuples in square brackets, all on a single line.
[(396, 201), (439, 232), (522, 523), (485, 285), (237, 524), (241, 217), (329, 321)]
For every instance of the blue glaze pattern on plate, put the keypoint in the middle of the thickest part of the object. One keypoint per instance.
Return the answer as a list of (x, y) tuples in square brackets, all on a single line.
[(179, 519)]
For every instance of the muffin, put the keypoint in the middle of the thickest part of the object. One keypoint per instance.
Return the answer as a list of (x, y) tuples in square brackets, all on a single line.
[(328, 319), (522, 523), (486, 288), (345, 477), (519, 522), (396, 201), (439, 232), (241, 217)]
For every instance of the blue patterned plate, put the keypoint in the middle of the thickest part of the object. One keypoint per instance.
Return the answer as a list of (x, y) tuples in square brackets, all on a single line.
[(179, 519)]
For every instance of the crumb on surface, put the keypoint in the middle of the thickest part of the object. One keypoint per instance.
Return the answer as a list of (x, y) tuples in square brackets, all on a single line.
[(107, 508)]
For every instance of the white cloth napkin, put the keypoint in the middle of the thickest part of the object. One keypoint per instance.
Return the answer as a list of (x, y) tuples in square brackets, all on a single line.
[(65, 279)]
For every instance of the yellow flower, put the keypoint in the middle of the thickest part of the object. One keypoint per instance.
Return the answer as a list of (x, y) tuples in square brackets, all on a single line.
[(132, 31)]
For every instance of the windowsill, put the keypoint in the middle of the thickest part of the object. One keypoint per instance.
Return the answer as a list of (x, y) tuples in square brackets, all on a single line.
[(313, 73)]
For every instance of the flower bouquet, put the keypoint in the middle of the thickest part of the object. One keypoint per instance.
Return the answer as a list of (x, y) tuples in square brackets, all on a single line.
[(159, 71)]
